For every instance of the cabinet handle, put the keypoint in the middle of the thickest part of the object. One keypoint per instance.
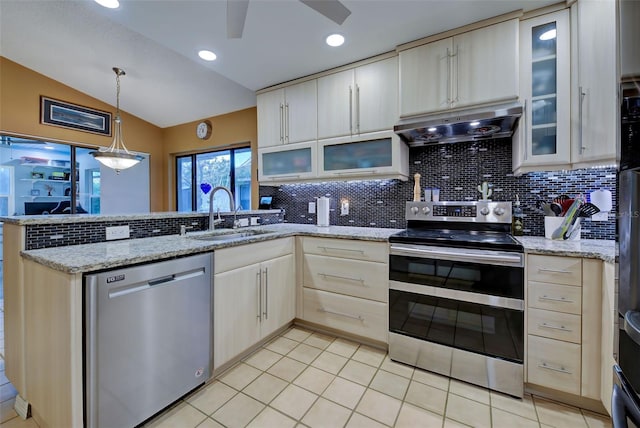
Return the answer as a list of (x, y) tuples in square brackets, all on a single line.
[(582, 95), (373, 171), (327, 275), (266, 294), (554, 270), (259, 279), (350, 110), (357, 109), (275, 177), (553, 327), (341, 314), (448, 78), (328, 249), (286, 123), (281, 122), (555, 299), (455, 54), (526, 130), (560, 369)]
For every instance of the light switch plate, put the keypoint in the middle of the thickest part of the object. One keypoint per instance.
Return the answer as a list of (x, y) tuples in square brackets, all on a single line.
[(117, 232)]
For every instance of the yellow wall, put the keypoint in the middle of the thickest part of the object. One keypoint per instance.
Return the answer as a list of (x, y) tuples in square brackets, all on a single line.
[(20, 91)]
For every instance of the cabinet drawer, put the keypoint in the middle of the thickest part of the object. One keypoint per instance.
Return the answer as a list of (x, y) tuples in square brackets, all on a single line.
[(554, 364), (350, 314), (560, 298), (347, 248), (243, 255), (368, 280), (554, 325), (555, 270)]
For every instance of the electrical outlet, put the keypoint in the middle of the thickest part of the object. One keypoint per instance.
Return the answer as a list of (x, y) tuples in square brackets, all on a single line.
[(117, 232), (312, 208), (344, 207)]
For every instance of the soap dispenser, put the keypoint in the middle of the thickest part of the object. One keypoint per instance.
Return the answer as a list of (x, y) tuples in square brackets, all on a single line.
[(517, 219)]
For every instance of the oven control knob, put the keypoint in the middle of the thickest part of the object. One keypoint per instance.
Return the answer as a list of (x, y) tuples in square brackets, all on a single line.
[(426, 210), (498, 211), (414, 210), (484, 211)]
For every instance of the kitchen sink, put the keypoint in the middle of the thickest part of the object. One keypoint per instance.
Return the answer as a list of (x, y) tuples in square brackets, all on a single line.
[(226, 235)]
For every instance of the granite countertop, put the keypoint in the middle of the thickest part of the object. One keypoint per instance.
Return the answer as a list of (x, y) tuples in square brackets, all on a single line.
[(605, 250), (113, 254)]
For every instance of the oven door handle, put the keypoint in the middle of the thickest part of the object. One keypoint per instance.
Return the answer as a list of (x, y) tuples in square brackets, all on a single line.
[(461, 255)]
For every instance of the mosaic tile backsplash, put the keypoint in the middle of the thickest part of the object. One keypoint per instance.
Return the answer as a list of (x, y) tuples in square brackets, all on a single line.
[(456, 169)]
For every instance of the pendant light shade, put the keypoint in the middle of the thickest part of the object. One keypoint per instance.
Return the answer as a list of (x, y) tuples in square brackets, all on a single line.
[(116, 156)]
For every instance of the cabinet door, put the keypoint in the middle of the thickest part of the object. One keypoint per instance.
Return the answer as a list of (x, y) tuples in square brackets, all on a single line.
[(595, 93), (236, 325), (482, 74), (270, 118), (278, 294), (544, 88), (376, 96), (335, 104), (301, 112), (286, 163), (425, 78)]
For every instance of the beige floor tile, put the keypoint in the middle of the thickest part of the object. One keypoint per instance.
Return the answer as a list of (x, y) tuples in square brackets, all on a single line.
[(473, 392), (281, 345), (412, 416), (319, 340), (343, 347), (270, 418), (390, 384), (468, 411), (379, 407), (450, 423), (358, 372), (431, 379), (296, 333), (501, 418), (265, 388), (287, 369), (294, 401), (368, 355), (329, 362), (238, 411), (263, 359), (427, 397), (240, 376), (397, 368), (211, 397), (325, 414), (344, 392), (182, 415), (361, 421), (314, 380), (6, 411), (559, 415), (596, 420), (304, 353), (21, 423), (520, 406), (210, 423)]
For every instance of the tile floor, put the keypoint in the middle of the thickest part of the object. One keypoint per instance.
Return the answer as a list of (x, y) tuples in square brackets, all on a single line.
[(306, 379)]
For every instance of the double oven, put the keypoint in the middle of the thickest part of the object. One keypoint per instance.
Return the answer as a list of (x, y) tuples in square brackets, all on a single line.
[(456, 293)]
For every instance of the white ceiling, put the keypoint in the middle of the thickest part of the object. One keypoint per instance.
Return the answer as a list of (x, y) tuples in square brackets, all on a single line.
[(77, 42)]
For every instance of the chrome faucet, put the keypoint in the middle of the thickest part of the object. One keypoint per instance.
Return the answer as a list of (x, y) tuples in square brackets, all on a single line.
[(232, 206)]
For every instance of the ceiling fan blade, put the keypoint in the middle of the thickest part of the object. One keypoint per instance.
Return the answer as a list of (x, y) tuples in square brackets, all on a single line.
[(236, 15), (332, 9)]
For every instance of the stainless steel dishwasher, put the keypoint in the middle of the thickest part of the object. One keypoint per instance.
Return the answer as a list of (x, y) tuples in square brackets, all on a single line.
[(148, 338)]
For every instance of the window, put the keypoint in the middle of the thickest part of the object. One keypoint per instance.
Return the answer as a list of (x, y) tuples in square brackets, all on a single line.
[(198, 174)]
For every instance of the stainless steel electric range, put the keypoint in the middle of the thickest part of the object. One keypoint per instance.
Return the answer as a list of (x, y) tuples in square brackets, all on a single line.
[(456, 293)]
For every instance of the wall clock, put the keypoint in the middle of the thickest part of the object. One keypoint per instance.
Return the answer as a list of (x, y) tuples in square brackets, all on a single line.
[(203, 130)]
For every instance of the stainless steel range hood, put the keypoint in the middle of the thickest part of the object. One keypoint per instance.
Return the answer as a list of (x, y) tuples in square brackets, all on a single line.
[(496, 121)]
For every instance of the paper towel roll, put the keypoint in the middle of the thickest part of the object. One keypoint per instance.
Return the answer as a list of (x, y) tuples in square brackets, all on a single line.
[(322, 210), (602, 199)]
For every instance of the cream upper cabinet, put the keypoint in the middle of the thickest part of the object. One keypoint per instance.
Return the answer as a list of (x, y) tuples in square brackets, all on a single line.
[(288, 115), (595, 83), (544, 133), (359, 100), (460, 71)]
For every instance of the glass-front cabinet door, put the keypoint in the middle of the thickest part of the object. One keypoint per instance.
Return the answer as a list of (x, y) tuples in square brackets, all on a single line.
[(545, 91), (289, 163)]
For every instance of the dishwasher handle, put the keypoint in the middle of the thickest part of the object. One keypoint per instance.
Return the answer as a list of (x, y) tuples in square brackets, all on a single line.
[(163, 280)]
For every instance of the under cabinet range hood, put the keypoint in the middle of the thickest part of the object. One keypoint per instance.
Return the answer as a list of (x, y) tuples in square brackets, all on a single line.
[(496, 121)]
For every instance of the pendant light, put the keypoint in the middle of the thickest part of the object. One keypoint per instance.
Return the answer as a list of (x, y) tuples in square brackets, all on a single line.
[(116, 156)]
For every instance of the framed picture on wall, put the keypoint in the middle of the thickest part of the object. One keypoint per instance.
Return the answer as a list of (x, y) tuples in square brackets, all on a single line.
[(71, 116)]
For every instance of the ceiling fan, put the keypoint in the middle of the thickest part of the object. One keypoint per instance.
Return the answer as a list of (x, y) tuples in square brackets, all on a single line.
[(237, 13)]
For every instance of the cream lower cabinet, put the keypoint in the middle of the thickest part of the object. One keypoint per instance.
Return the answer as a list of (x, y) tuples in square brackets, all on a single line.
[(345, 286), (609, 349), (564, 324), (254, 295)]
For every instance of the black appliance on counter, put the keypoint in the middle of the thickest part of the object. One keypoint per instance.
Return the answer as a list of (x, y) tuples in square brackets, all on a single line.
[(456, 293)]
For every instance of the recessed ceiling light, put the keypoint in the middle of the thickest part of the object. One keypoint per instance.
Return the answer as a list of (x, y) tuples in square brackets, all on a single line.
[(474, 123), (548, 35), (432, 129), (335, 40), (111, 4), (207, 55)]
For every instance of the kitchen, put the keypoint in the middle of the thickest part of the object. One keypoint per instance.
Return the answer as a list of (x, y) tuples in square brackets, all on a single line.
[(381, 203)]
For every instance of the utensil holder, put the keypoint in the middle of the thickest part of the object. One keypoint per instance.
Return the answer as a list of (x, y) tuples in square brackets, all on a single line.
[(552, 223)]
